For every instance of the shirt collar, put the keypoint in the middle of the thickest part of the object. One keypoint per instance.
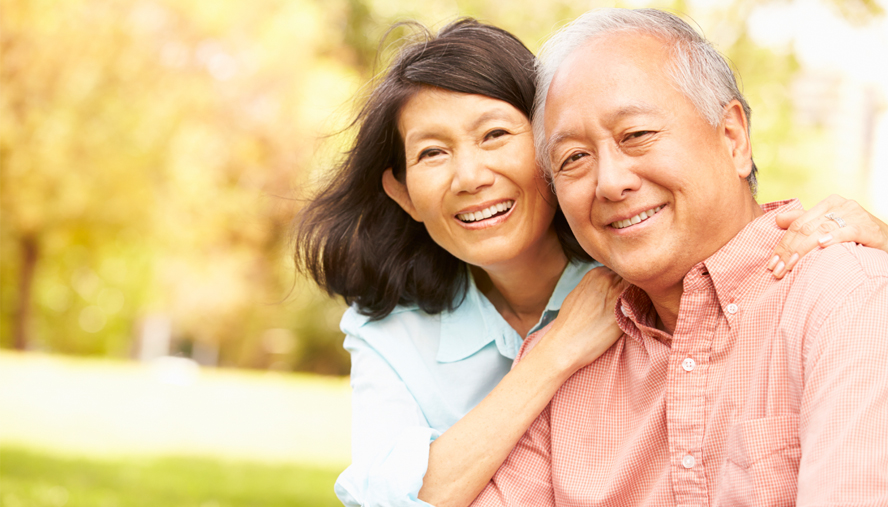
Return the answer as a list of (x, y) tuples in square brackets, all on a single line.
[(573, 273), (735, 267), (732, 269), (475, 322)]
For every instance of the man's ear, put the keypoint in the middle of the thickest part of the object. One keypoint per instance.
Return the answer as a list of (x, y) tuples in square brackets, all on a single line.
[(397, 191), (736, 136)]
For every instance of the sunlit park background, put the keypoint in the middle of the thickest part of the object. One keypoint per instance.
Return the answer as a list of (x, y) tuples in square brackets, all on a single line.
[(157, 347)]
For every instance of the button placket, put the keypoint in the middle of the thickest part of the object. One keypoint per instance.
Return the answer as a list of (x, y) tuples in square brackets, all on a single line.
[(691, 347)]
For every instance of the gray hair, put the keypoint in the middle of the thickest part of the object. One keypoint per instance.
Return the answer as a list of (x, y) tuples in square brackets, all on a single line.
[(697, 69)]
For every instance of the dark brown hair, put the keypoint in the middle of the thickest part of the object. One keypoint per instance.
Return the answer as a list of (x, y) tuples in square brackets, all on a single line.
[(355, 241)]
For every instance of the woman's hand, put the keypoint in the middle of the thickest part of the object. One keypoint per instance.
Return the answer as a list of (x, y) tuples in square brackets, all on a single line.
[(585, 326), (465, 457), (810, 229)]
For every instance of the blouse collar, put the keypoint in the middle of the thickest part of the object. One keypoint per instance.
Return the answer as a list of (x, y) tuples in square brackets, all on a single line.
[(475, 322)]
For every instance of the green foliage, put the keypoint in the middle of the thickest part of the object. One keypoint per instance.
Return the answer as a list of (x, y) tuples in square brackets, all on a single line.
[(149, 153), (33, 479), (153, 153)]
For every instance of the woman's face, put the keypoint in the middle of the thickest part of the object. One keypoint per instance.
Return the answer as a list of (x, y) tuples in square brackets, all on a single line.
[(472, 177)]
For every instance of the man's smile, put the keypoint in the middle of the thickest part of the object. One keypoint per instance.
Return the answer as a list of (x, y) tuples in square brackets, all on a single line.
[(641, 217)]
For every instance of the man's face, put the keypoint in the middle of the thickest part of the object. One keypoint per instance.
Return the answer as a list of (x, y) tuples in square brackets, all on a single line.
[(647, 185)]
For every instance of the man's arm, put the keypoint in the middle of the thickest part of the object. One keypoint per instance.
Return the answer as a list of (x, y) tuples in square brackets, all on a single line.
[(525, 478), (843, 424)]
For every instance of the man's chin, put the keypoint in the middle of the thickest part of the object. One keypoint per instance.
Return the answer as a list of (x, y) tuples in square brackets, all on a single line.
[(644, 270)]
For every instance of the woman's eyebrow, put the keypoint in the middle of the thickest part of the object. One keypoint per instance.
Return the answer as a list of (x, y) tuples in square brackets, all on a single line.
[(493, 114)]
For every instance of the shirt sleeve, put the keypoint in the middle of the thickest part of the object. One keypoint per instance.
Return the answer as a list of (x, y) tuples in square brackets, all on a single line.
[(390, 435), (843, 422), (525, 478)]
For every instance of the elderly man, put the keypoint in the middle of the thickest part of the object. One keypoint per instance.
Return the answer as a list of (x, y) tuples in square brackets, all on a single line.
[(729, 387)]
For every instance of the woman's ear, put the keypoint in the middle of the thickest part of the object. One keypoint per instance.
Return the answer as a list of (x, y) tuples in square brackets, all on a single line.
[(398, 193)]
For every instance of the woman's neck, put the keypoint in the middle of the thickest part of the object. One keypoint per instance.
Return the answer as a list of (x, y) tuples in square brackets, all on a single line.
[(521, 288)]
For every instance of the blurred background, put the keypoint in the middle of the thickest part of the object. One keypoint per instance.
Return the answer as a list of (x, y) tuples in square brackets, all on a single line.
[(157, 347)]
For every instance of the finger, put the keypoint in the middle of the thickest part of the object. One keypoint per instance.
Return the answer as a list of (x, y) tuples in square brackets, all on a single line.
[(784, 219), (821, 229), (803, 234), (861, 227), (594, 284)]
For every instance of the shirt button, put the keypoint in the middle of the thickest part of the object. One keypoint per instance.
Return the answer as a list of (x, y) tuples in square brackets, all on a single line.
[(688, 461), (625, 310), (732, 308), (688, 364)]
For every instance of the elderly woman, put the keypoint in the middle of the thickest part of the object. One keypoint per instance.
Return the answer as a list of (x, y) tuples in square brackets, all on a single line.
[(441, 233)]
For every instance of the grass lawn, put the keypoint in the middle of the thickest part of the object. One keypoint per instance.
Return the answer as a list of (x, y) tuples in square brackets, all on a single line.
[(110, 433), (37, 479), (100, 408)]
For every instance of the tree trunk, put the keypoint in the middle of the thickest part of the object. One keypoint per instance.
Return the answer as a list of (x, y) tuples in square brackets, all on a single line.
[(22, 317)]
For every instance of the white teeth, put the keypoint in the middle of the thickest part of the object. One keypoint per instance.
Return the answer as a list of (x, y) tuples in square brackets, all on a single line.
[(485, 213), (641, 217)]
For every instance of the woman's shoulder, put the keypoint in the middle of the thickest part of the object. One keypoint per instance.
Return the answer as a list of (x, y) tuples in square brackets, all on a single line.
[(402, 318)]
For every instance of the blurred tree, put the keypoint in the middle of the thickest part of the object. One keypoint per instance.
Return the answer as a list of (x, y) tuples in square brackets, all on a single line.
[(149, 152)]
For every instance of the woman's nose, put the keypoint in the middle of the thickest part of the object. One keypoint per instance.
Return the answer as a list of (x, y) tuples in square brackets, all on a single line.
[(471, 173)]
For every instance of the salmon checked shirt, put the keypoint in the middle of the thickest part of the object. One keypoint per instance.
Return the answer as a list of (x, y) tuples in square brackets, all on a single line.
[(770, 392)]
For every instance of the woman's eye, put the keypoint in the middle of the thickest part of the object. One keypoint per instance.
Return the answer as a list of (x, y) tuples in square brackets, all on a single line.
[(431, 152)]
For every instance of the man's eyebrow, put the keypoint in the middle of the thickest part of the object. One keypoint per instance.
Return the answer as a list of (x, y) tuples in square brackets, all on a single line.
[(631, 110), (622, 112), (556, 139)]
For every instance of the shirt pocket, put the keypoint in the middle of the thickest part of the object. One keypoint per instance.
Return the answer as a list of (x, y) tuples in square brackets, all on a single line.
[(761, 463)]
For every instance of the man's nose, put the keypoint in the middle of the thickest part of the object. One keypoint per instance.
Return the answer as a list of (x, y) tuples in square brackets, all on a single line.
[(471, 173), (616, 177)]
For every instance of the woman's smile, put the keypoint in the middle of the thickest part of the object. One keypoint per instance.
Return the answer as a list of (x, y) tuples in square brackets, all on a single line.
[(486, 215)]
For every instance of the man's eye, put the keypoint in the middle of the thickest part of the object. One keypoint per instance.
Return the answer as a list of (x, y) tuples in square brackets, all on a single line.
[(636, 135), (494, 134), (571, 159)]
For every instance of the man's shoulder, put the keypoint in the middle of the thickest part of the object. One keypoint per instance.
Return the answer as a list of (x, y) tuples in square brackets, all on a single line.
[(841, 266), (829, 283)]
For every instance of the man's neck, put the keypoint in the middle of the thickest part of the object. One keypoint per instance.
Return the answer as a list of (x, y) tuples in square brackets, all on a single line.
[(666, 298), (667, 306)]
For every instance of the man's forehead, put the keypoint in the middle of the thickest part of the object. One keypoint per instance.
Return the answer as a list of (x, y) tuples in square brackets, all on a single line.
[(602, 64), (623, 49)]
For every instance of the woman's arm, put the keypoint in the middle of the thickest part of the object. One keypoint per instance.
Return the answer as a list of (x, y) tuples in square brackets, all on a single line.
[(465, 457), (810, 229), (390, 435)]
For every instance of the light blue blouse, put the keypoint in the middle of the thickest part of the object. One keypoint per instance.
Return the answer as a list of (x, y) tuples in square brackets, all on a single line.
[(413, 375)]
